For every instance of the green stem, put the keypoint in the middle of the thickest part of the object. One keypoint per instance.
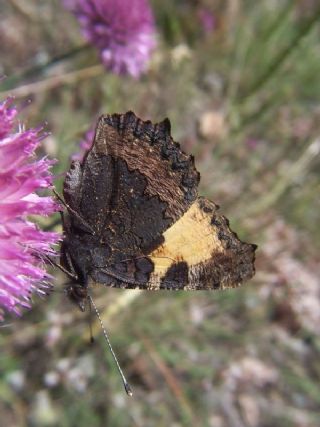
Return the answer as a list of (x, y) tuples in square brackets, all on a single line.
[(271, 103), (305, 28), (12, 81), (283, 181)]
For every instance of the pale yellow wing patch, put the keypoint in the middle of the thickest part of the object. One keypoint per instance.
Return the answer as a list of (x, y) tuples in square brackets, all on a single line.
[(192, 239)]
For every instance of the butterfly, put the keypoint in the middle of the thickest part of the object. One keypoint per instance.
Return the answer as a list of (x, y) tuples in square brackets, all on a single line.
[(134, 218)]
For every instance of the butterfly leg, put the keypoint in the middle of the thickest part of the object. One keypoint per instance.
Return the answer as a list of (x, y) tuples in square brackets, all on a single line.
[(64, 270)]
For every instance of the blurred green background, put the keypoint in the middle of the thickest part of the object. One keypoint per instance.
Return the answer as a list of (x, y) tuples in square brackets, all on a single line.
[(243, 97)]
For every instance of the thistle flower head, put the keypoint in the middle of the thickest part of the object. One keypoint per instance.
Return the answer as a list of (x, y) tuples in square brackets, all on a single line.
[(21, 242), (123, 31)]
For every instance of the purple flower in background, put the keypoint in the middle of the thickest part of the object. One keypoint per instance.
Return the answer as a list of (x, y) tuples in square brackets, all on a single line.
[(84, 145), (207, 20), (252, 143), (123, 31), (22, 243)]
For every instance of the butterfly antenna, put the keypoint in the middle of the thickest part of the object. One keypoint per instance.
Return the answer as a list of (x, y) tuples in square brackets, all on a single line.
[(90, 323), (125, 382)]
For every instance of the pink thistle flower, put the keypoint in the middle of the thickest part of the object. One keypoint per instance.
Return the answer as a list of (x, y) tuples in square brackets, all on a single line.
[(22, 243), (123, 31)]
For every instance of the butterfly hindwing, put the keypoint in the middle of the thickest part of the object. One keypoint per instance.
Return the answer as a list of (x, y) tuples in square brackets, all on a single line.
[(199, 251)]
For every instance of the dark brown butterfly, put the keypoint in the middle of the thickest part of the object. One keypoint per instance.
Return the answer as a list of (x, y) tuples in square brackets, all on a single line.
[(134, 218)]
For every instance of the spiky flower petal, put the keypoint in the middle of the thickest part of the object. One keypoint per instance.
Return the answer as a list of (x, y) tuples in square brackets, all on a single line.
[(22, 243)]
